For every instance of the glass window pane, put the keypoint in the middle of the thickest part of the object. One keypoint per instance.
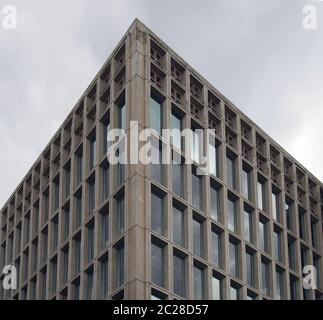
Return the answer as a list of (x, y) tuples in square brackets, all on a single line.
[(179, 275), (246, 184), (233, 259), (198, 283), (216, 249), (178, 226), (196, 191), (232, 215), (155, 115), (157, 213), (213, 159), (231, 172), (157, 265), (176, 126), (177, 178), (197, 238), (250, 273), (214, 202), (216, 289), (120, 215)]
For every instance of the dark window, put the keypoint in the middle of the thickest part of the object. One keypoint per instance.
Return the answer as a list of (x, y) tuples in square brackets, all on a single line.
[(198, 247), (157, 213), (157, 264), (178, 226), (179, 275)]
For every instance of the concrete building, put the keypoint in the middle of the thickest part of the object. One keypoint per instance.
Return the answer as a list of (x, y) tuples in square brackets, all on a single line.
[(78, 227)]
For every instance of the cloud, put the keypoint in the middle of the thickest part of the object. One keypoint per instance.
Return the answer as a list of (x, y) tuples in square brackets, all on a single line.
[(255, 52)]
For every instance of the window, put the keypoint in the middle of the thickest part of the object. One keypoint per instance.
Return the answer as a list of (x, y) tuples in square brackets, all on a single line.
[(213, 158), (198, 274), (43, 284), (55, 232), (91, 189), (120, 264), (105, 225), (106, 144), (46, 207), (120, 214), (293, 288), (176, 126), (56, 194), (157, 264), (157, 213), (198, 247), (44, 244), (65, 265), (36, 220), (233, 259), (78, 210), (247, 225), (67, 182), (289, 215), (231, 173), (105, 182), (77, 242), (156, 167), (90, 285), (54, 276), (314, 226), (156, 115), (26, 228), (76, 289), (197, 135), (261, 192), (217, 293), (120, 169), (79, 169), (179, 275), (178, 226), (246, 183), (302, 224), (66, 220), (216, 249), (277, 246), (92, 153), (178, 177), (279, 285), (214, 202), (263, 242), (291, 254), (265, 278), (196, 190), (234, 293), (232, 215), (122, 117), (250, 268), (90, 236), (33, 285), (275, 205), (104, 277), (303, 257), (316, 263)]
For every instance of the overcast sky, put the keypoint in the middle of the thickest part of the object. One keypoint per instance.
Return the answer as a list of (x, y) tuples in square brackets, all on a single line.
[(255, 52)]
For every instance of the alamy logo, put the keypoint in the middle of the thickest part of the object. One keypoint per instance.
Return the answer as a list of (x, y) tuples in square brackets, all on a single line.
[(9, 281), (310, 16), (310, 277), (9, 17)]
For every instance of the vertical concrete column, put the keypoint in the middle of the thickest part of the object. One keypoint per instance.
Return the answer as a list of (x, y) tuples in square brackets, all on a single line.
[(136, 248)]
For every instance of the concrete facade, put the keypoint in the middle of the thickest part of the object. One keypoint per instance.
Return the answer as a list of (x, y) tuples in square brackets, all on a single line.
[(106, 255)]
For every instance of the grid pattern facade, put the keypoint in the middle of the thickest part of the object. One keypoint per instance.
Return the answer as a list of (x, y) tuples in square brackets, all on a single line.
[(80, 228)]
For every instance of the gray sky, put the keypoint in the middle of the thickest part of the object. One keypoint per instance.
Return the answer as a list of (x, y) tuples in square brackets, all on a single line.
[(255, 52)]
